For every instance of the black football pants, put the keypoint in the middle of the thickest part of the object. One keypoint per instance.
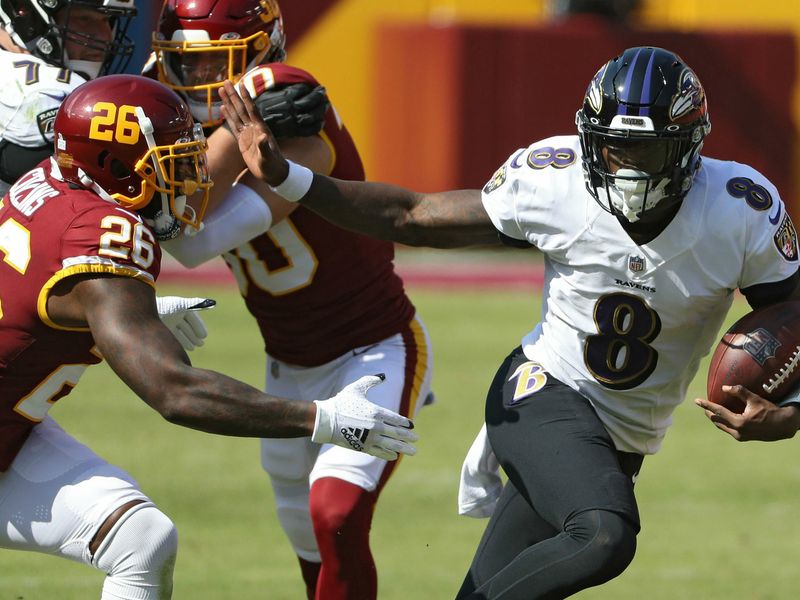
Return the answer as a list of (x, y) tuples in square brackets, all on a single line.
[(567, 518)]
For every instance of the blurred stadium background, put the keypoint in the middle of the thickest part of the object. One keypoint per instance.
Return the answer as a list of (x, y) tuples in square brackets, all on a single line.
[(437, 93)]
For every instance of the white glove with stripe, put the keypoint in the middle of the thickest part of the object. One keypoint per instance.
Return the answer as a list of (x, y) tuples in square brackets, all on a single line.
[(179, 314), (351, 421)]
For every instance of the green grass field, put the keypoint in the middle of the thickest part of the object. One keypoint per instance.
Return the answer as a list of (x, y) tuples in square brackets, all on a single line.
[(720, 519)]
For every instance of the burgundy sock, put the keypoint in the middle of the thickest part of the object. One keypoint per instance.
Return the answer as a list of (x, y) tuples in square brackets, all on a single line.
[(310, 571), (342, 516)]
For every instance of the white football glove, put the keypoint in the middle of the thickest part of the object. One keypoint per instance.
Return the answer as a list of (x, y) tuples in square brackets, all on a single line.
[(351, 421), (180, 316)]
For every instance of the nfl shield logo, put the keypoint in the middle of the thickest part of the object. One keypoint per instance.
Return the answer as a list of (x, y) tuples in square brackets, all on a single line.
[(636, 264), (761, 345)]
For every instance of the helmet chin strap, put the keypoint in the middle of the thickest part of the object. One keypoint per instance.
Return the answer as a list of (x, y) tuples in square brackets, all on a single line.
[(164, 225), (189, 230), (91, 184)]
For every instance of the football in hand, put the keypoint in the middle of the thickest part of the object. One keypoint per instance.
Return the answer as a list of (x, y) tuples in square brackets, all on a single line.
[(761, 351)]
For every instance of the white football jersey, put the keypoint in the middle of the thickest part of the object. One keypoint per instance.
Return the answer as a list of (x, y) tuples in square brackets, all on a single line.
[(627, 325), (31, 93)]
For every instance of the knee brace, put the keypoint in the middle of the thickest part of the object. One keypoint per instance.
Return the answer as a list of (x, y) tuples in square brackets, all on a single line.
[(138, 555), (291, 506)]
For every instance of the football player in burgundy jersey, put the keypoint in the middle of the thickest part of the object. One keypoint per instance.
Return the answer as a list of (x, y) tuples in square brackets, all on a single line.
[(47, 50), (328, 301), (645, 242), (76, 287)]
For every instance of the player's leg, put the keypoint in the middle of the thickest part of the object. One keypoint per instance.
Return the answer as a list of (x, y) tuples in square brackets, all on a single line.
[(504, 539), (346, 485), (60, 498), (563, 465), (342, 517), (288, 462)]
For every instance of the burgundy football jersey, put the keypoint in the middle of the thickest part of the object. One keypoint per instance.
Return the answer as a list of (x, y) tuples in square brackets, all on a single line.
[(316, 290), (49, 231)]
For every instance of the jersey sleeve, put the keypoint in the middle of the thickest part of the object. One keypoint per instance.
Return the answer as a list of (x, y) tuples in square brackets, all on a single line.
[(772, 246), (110, 240), (536, 191), (30, 98), (499, 197)]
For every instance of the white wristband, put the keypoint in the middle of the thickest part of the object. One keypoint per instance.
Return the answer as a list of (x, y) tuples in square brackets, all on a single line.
[(296, 184), (323, 424)]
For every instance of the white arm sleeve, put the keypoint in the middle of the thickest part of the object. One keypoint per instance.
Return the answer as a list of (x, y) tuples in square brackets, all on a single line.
[(241, 216)]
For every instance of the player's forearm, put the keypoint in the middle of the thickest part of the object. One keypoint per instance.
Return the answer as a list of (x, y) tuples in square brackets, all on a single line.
[(211, 402), (241, 216), (141, 350), (443, 220), (778, 423), (157, 369), (225, 165)]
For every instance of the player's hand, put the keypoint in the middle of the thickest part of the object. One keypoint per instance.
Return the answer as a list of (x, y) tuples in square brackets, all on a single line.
[(351, 421), (295, 110), (761, 420), (259, 149), (180, 316)]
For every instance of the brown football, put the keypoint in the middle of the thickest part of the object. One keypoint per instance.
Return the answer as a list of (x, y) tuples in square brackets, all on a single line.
[(761, 351)]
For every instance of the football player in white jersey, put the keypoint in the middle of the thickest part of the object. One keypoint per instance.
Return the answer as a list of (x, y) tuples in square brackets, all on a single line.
[(645, 243), (47, 49)]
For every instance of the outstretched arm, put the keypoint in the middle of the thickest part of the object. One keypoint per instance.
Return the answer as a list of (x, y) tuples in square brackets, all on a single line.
[(121, 314), (441, 220)]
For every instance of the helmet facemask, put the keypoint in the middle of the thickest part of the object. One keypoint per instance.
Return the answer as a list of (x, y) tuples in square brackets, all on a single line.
[(631, 173), (195, 62), (170, 175), (116, 53), (45, 28)]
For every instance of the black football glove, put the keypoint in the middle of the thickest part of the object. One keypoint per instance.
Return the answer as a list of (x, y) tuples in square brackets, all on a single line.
[(295, 110)]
